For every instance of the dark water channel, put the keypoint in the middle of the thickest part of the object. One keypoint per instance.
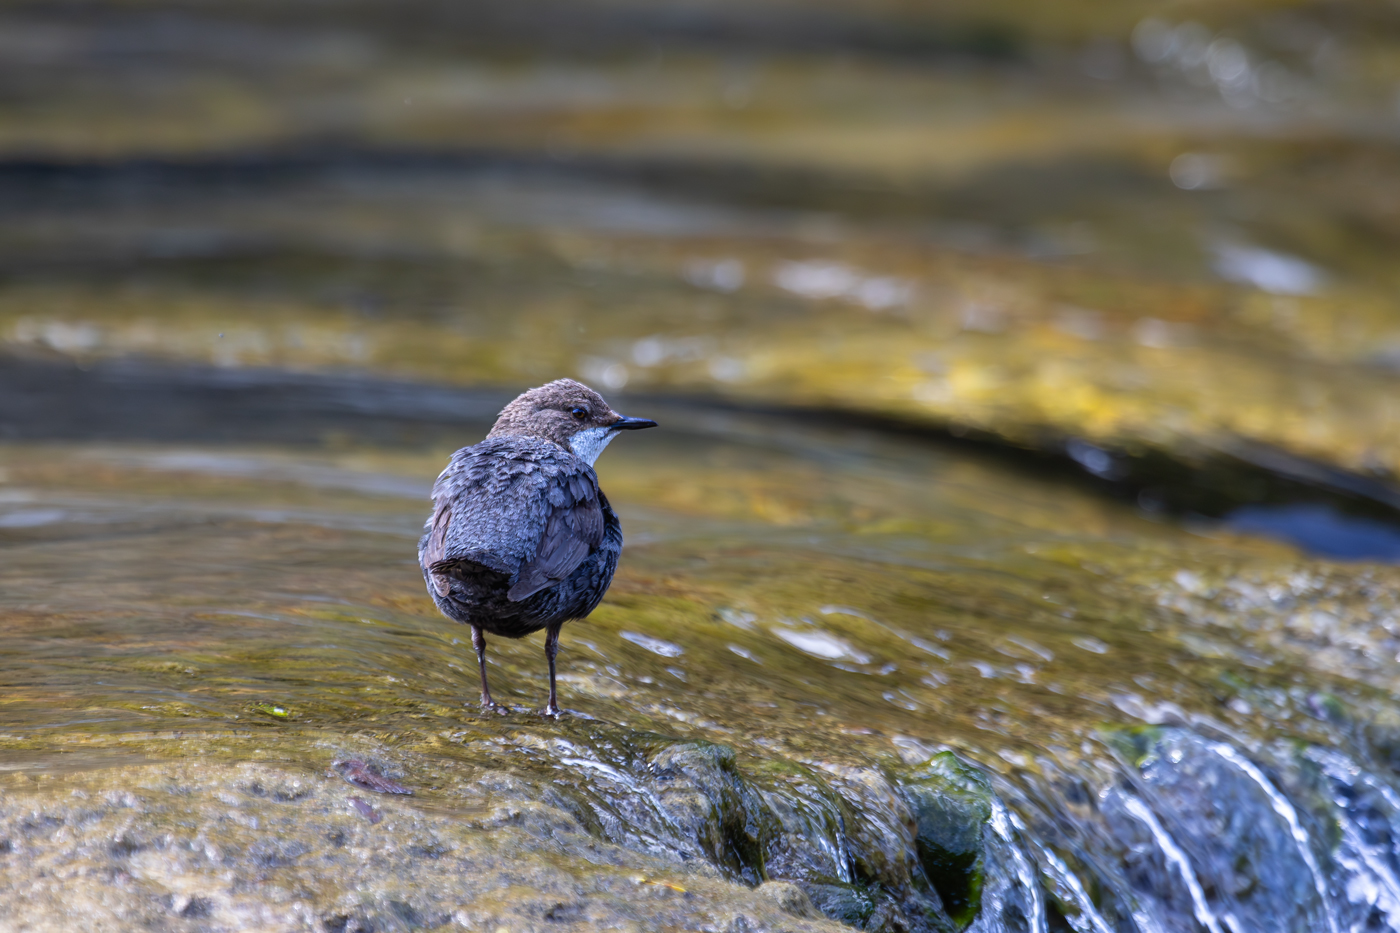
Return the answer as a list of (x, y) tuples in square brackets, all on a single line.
[(929, 687)]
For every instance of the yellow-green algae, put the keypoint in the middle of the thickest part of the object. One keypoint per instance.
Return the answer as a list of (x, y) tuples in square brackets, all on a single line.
[(158, 845), (990, 346), (1096, 313), (846, 609), (960, 216)]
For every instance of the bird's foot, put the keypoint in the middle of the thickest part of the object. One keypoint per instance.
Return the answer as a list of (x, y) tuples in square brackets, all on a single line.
[(491, 706), (551, 711)]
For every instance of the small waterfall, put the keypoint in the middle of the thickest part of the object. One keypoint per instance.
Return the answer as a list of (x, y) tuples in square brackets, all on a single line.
[(1197, 835), (1013, 886), (1070, 890), (1285, 810), (1187, 835), (1178, 861), (1369, 868)]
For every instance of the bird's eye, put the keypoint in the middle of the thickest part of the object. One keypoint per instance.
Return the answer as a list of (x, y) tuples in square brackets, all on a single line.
[(579, 413)]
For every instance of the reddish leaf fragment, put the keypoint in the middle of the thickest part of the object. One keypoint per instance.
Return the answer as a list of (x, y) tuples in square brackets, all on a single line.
[(367, 811), (363, 775)]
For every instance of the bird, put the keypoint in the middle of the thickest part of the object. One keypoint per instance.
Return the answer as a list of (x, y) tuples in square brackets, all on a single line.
[(521, 538)]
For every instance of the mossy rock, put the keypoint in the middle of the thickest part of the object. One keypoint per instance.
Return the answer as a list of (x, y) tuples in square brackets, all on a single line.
[(703, 793), (851, 904), (809, 839), (872, 908), (950, 802), (1135, 743)]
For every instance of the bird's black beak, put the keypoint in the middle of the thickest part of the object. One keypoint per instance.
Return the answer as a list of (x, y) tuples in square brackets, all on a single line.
[(632, 424)]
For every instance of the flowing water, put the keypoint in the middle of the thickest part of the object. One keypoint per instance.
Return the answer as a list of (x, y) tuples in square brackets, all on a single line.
[(1016, 555), (922, 681)]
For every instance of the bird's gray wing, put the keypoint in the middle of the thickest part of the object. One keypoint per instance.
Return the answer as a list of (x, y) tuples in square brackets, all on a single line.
[(573, 529), (528, 511)]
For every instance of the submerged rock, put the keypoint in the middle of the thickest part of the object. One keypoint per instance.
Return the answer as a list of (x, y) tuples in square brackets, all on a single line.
[(952, 804), (703, 795), (926, 694), (152, 845), (789, 897)]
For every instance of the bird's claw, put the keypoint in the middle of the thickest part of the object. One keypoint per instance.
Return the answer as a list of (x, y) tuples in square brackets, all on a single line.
[(491, 706), (551, 712)]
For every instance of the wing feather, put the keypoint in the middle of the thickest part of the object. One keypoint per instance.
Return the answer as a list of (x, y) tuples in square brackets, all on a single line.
[(573, 530), (522, 508)]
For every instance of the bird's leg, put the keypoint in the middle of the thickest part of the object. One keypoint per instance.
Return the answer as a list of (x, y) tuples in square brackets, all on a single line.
[(479, 643), (551, 649)]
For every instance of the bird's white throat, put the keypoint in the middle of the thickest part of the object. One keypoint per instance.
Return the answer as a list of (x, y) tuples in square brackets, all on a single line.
[(589, 443)]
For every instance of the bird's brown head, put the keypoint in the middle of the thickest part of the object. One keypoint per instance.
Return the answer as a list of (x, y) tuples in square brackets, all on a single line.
[(568, 413)]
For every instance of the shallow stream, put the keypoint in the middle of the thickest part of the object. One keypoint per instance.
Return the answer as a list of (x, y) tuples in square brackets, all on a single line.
[(923, 682), (1017, 553)]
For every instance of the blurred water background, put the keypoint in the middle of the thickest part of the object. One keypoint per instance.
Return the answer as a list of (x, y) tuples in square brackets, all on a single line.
[(1017, 553)]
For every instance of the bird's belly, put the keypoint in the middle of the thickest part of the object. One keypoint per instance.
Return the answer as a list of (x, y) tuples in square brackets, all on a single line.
[(480, 599)]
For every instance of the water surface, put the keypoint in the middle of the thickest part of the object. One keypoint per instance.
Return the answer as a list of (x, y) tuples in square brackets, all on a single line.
[(831, 599), (1007, 559)]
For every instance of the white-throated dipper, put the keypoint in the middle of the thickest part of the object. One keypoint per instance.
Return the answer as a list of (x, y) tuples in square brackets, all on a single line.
[(521, 538)]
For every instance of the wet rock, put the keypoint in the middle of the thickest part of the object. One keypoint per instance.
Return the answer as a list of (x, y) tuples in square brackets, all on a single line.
[(191, 907), (217, 864), (125, 845), (790, 897), (702, 792), (887, 874), (348, 923), (807, 840), (951, 803), (850, 904), (565, 912), (1384, 739), (276, 853)]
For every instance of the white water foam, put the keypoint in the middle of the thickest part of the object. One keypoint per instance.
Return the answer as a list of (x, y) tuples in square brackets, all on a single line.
[(1088, 920), (1371, 881), (1002, 822), (1284, 809), (1173, 854)]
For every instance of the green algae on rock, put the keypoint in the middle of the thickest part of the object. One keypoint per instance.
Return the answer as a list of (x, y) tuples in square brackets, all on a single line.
[(900, 673), (822, 220), (236, 846), (952, 804), (903, 688)]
